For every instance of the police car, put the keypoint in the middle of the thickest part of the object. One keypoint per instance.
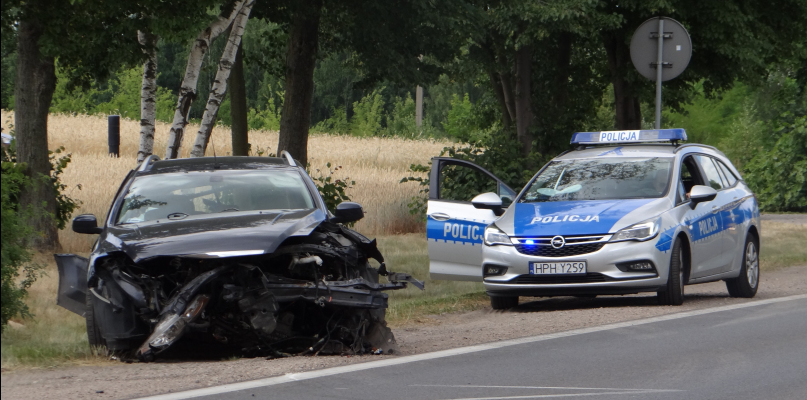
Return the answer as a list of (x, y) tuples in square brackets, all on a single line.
[(625, 212)]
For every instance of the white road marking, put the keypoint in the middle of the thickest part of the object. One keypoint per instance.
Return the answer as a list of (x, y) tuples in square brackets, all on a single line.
[(544, 387), (548, 396), (233, 387)]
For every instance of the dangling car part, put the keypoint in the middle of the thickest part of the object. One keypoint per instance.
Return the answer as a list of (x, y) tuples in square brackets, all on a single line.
[(240, 250)]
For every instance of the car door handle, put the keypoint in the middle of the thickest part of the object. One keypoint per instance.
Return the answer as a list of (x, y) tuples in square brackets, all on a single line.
[(441, 216), (714, 209)]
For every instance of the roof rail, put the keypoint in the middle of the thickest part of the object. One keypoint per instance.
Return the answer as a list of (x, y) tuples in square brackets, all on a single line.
[(677, 149), (146, 164), (285, 154)]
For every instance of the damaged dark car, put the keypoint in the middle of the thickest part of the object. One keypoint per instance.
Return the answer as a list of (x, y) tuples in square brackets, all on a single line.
[(239, 250)]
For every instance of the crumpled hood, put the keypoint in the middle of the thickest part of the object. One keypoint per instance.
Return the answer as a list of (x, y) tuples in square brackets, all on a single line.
[(581, 217), (204, 236)]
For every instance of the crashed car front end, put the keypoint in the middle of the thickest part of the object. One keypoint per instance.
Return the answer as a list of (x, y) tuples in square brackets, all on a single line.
[(313, 293)]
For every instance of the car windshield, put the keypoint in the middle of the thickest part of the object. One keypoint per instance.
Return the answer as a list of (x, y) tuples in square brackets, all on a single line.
[(600, 179), (178, 195)]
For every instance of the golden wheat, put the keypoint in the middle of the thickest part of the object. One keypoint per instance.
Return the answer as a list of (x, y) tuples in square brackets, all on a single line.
[(376, 164)]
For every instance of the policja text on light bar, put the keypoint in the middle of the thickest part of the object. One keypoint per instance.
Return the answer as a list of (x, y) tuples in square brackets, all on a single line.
[(652, 135)]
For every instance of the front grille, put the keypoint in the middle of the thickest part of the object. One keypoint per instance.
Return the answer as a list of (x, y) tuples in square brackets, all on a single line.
[(558, 279), (565, 251)]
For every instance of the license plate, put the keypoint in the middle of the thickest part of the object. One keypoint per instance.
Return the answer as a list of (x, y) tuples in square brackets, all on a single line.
[(558, 268)]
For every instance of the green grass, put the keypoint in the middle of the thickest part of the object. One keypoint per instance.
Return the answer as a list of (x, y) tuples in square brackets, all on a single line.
[(783, 245)]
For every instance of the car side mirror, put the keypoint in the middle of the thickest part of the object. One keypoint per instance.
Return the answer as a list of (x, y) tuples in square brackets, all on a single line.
[(489, 201), (347, 211), (86, 223), (700, 194)]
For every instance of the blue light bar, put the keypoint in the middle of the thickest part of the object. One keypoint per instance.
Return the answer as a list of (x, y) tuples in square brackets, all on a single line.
[(651, 135)]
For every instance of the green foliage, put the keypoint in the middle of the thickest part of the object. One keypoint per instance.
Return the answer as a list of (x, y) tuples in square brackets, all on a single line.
[(332, 189), (779, 176), (368, 114), (461, 123), (120, 95), (268, 118), (15, 257), (64, 205)]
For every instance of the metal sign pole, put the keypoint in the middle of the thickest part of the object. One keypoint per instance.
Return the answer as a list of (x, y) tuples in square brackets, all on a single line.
[(659, 67)]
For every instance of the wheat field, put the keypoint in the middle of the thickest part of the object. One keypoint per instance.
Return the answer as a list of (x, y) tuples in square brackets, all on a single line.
[(375, 164)]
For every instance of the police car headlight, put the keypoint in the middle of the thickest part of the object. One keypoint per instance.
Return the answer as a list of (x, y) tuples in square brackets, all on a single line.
[(642, 231), (494, 235)]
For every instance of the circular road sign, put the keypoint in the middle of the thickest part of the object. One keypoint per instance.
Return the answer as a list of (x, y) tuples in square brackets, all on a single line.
[(676, 50)]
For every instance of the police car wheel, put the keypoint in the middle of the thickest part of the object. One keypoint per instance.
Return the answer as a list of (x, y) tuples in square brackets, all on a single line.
[(503, 302), (673, 293), (747, 283)]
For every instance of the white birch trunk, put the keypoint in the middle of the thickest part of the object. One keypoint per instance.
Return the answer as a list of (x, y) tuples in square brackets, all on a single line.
[(148, 95), (187, 92), (219, 88)]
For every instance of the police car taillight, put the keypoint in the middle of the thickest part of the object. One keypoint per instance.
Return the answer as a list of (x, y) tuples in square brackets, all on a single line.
[(637, 136)]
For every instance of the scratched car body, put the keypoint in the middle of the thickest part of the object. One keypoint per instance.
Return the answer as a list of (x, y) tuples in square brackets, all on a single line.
[(239, 251), (625, 212)]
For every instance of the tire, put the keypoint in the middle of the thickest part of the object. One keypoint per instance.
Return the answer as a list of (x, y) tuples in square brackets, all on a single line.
[(673, 293), (747, 283), (93, 333), (503, 302)]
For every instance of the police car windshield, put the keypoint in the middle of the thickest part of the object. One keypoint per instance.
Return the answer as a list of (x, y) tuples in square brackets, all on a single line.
[(600, 179)]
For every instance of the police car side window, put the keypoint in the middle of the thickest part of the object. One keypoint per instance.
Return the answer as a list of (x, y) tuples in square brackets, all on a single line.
[(463, 183), (709, 169), (690, 175), (727, 173)]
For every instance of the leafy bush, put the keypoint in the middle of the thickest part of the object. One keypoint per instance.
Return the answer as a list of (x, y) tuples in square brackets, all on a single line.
[(461, 123), (331, 188), (367, 115), (15, 257), (779, 177)]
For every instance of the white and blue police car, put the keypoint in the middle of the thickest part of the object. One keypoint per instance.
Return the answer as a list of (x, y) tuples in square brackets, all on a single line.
[(625, 212)]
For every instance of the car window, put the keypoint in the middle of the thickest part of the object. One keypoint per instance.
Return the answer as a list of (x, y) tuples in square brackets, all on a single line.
[(463, 183), (597, 179), (709, 169), (731, 179), (182, 194)]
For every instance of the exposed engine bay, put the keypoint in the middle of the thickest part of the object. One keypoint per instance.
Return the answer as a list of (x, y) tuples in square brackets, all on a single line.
[(314, 294)]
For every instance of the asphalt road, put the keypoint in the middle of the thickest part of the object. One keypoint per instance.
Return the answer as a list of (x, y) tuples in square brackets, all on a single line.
[(753, 352)]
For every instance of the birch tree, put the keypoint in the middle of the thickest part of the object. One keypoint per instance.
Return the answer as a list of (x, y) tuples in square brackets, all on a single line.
[(187, 92), (148, 94), (219, 88)]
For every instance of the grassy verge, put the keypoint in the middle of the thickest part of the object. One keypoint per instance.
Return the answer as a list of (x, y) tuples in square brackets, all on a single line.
[(56, 336)]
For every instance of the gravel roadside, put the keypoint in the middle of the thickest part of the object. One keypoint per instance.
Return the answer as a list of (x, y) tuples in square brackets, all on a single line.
[(534, 316)]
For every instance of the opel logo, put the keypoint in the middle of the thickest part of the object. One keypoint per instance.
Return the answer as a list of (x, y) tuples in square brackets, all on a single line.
[(558, 242)]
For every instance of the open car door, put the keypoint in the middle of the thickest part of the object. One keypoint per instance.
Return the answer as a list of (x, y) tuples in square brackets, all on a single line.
[(455, 228)]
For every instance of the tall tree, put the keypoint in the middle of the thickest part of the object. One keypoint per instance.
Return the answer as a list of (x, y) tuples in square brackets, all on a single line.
[(238, 106), (148, 95), (219, 88), (187, 92)]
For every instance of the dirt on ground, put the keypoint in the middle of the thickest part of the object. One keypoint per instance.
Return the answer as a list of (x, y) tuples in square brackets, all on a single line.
[(534, 316)]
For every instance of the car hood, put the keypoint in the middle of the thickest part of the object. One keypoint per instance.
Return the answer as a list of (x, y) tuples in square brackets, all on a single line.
[(218, 235), (582, 217)]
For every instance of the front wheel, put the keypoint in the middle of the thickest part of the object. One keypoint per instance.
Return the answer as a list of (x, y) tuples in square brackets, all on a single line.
[(93, 333), (747, 283), (503, 302), (673, 293)]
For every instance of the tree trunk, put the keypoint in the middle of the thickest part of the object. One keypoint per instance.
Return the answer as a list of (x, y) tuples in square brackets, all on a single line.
[(497, 89), (506, 79), (523, 98), (219, 88), (33, 92), (300, 61), (238, 106), (628, 111), (187, 92), (148, 95)]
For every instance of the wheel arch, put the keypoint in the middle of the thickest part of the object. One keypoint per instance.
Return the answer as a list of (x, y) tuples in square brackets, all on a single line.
[(752, 230)]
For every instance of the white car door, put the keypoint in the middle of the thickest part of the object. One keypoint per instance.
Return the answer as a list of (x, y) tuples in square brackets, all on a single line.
[(454, 228)]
